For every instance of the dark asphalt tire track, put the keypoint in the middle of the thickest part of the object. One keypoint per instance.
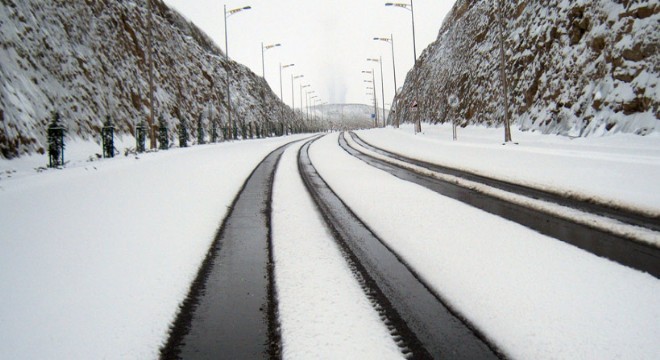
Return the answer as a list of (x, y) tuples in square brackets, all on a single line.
[(427, 327), (230, 311), (635, 254), (623, 215)]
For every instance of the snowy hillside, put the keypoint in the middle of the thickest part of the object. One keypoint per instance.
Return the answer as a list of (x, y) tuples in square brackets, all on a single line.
[(88, 60), (575, 68)]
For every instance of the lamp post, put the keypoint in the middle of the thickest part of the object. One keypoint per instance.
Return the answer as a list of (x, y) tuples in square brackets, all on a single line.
[(313, 99), (505, 90), (281, 92), (373, 83), (301, 100), (418, 123), (307, 94), (263, 63), (301, 96), (452, 100), (390, 40), (228, 14), (150, 119), (382, 86), (412, 16), (372, 96), (293, 78)]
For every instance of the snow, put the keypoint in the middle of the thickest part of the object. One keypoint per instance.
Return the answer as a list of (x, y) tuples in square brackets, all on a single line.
[(621, 169), (533, 296), (324, 313), (604, 223), (96, 258)]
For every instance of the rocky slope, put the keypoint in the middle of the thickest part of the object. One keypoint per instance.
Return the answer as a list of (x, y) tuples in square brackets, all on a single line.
[(87, 59), (577, 68)]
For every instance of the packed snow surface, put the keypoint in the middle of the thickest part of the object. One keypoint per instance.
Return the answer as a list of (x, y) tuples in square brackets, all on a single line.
[(533, 296), (324, 314), (96, 257), (622, 169)]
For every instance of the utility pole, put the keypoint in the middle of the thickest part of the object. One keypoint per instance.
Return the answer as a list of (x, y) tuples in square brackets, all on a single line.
[(152, 133), (505, 89), (229, 122), (373, 82)]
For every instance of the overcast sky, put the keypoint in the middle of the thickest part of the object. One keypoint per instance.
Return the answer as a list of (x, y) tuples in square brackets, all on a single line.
[(327, 40)]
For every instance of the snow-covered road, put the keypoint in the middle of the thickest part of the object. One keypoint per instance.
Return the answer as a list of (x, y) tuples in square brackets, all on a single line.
[(96, 258)]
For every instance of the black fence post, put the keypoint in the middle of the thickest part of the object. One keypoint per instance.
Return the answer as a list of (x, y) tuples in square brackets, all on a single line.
[(55, 142), (163, 139), (214, 131), (140, 136), (108, 138), (183, 133), (200, 130)]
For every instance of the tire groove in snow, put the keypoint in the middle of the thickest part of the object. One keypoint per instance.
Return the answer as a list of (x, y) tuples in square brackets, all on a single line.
[(626, 215), (324, 310), (616, 247), (427, 326), (229, 311)]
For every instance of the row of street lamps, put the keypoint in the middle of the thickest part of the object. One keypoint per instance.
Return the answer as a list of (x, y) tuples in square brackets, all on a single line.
[(294, 77), (453, 100), (314, 97), (390, 40)]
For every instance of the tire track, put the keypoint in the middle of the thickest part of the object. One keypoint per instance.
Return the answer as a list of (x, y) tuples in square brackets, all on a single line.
[(231, 309), (419, 321), (591, 206), (619, 247)]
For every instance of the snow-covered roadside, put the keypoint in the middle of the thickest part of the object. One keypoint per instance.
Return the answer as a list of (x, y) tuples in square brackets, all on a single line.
[(95, 258), (535, 297), (323, 311), (621, 169), (596, 221)]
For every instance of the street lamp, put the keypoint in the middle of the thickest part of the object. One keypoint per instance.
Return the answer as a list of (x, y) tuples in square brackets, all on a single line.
[(452, 100), (263, 49), (228, 14), (373, 83), (301, 95), (307, 93), (313, 105), (293, 78), (412, 16), (391, 41), (418, 123), (281, 93), (301, 99), (150, 59), (382, 86), (507, 127)]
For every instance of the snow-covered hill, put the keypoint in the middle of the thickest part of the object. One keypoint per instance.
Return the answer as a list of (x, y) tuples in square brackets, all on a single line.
[(343, 116), (578, 68), (88, 60)]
